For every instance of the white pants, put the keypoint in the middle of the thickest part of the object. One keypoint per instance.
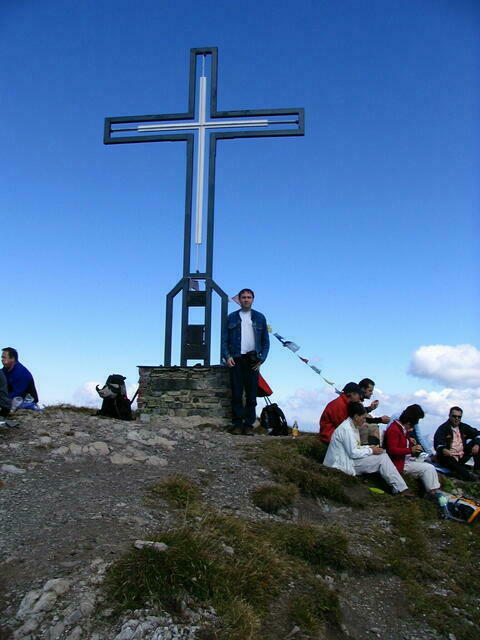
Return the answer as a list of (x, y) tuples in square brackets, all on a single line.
[(384, 466), (425, 471)]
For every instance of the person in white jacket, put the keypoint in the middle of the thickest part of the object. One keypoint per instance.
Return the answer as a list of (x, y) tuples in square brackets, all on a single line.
[(347, 454)]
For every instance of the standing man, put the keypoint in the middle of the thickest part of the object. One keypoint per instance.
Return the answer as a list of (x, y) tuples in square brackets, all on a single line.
[(245, 345), (452, 448), (19, 379), (336, 411)]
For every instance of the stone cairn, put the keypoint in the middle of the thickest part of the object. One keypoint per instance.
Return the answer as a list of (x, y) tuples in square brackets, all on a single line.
[(184, 391)]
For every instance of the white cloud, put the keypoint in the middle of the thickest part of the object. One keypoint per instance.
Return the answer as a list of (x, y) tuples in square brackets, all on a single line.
[(87, 396), (456, 367)]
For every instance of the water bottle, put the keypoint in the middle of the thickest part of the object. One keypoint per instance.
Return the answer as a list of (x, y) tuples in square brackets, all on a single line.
[(16, 403), (295, 431), (442, 503)]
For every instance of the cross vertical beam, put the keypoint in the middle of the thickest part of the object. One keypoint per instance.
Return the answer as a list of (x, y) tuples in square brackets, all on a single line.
[(200, 128)]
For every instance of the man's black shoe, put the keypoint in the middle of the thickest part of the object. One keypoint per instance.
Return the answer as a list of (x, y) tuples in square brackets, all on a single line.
[(236, 431), (247, 431)]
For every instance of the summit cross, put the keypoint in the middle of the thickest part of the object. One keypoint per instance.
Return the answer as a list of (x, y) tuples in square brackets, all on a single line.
[(200, 127)]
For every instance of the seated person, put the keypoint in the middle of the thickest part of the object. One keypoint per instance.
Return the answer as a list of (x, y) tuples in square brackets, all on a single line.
[(5, 402), (403, 449), (370, 430), (336, 411), (455, 443), (19, 379), (347, 454)]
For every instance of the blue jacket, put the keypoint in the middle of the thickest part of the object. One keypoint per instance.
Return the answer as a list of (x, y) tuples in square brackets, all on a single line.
[(20, 382), (232, 336)]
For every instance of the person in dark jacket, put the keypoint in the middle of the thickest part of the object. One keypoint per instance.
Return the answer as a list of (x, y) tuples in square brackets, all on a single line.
[(455, 443), (245, 345), (5, 402), (19, 379)]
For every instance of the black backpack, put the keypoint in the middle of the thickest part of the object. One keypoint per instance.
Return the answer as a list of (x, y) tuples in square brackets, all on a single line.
[(115, 402), (273, 419)]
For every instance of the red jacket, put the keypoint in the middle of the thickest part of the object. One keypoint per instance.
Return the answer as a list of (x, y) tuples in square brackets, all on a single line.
[(397, 444), (334, 414)]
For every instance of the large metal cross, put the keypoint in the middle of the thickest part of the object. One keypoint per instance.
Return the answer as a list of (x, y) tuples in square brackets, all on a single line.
[(200, 128)]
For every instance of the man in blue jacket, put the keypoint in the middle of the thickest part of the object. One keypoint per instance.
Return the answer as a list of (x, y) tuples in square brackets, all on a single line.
[(19, 379), (245, 345)]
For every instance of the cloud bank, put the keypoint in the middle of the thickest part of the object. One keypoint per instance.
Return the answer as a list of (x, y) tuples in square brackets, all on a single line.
[(457, 367)]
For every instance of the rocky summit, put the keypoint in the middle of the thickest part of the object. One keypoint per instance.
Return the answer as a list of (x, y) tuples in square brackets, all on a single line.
[(73, 500)]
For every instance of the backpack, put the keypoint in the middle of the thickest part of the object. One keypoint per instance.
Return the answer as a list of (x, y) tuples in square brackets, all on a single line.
[(273, 419), (462, 509), (115, 402)]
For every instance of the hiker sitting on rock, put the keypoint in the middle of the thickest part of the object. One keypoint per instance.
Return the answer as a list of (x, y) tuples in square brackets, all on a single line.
[(404, 450), (347, 454), (453, 450), (19, 380), (336, 411), (5, 402)]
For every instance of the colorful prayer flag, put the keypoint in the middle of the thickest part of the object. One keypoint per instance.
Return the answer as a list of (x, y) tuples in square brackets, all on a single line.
[(291, 345)]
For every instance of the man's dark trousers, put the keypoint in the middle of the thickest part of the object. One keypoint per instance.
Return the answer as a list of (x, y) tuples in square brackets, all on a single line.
[(459, 467), (243, 377)]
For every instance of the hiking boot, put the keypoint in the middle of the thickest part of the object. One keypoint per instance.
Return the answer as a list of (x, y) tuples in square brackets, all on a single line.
[(247, 431), (236, 431), (407, 494)]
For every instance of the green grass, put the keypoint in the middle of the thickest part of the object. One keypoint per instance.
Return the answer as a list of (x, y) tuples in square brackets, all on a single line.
[(70, 407), (246, 586), (297, 462), (178, 490), (271, 498), (318, 546)]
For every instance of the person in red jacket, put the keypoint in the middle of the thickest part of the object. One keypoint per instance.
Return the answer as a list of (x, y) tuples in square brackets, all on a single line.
[(402, 448), (336, 411)]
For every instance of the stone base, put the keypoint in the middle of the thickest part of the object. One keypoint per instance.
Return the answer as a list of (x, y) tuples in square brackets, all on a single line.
[(185, 391)]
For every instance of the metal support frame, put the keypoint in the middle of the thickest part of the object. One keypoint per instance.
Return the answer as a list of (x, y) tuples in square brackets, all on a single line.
[(164, 131)]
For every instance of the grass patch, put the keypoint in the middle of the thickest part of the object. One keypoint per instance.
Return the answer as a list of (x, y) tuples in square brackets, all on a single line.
[(271, 498), (312, 604), (243, 586), (178, 490), (70, 407), (296, 462), (320, 547)]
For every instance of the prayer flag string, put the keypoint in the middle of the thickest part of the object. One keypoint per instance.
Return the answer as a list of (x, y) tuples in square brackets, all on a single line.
[(293, 347)]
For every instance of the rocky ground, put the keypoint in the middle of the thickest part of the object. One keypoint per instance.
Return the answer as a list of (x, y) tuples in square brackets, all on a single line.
[(72, 498)]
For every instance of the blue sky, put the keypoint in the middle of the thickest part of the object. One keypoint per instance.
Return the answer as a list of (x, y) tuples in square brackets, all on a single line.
[(360, 239)]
